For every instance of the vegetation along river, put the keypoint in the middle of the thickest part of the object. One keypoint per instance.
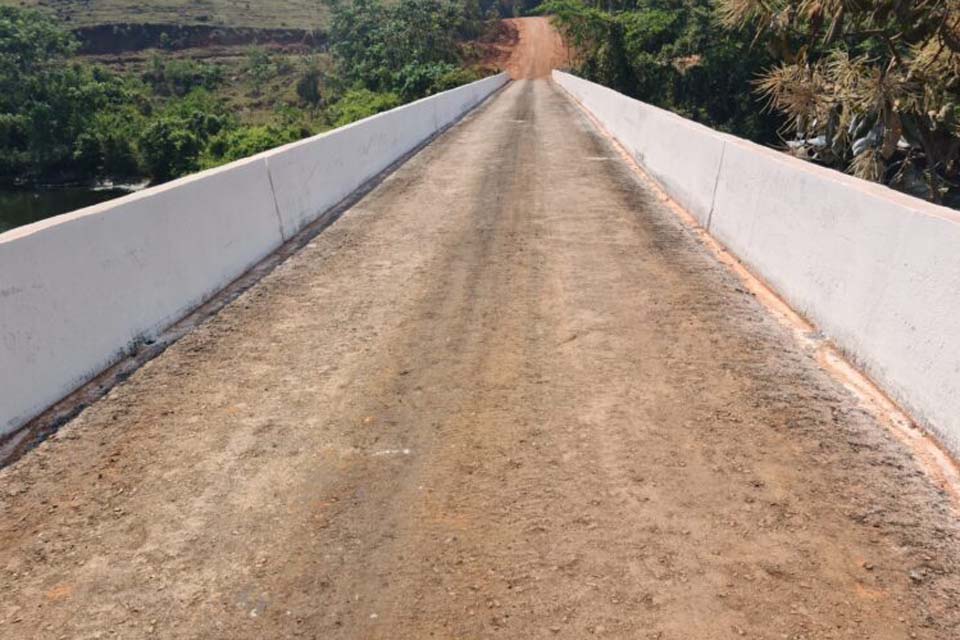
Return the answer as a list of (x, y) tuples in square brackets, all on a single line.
[(23, 206)]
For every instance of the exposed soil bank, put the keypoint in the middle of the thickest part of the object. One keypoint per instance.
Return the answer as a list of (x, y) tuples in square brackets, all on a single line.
[(118, 38)]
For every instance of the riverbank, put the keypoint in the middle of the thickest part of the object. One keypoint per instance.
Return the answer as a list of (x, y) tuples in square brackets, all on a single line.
[(24, 205)]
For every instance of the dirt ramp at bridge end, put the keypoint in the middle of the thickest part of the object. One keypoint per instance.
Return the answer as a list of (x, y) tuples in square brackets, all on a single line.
[(539, 49)]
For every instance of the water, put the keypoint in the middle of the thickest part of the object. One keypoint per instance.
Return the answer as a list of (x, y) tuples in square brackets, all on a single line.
[(23, 206)]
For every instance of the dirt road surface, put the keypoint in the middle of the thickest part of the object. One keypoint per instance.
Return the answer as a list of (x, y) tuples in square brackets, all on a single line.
[(539, 49), (507, 395)]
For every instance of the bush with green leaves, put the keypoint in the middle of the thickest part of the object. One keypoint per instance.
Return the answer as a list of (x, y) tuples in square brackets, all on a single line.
[(170, 148), (172, 144), (403, 48), (673, 54), (62, 119), (244, 141), (259, 68), (54, 111), (358, 104), (178, 77), (417, 80), (108, 146), (309, 86), (454, 78)]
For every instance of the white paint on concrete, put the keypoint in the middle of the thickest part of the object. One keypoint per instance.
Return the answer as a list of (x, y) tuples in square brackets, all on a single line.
[(876, 270), (77, 290)]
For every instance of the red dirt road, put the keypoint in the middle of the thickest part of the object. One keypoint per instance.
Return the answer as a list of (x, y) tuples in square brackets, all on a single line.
[(539, 49)]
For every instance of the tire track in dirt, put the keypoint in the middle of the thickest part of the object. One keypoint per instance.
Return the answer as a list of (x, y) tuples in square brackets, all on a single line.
[(539, 49)]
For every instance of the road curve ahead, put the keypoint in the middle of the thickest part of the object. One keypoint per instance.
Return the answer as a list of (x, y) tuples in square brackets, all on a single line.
[(507, 395)]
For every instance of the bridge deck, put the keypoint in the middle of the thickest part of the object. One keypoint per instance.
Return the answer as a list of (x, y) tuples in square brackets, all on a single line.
[(508, 394)]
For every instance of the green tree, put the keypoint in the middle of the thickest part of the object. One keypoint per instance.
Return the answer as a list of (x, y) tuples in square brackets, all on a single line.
[(172, 143), (361, 103), (870, 87), (48, 103), (108, 146), (170, 148), (241, 142), (403, 48), (308, 86), (670, 53)]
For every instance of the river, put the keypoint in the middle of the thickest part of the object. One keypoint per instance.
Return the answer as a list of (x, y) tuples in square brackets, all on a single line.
[(23, 206)]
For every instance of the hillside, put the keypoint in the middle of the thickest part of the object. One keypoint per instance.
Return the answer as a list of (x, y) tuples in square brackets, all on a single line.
[(264, 14), (152, 101)]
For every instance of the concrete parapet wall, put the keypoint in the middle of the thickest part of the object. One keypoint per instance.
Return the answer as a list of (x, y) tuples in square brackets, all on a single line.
[(877, 271), (683, 155), (78, 290), (313, 175)]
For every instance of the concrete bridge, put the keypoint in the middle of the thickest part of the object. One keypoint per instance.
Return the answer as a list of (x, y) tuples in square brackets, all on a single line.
[(514, 390)]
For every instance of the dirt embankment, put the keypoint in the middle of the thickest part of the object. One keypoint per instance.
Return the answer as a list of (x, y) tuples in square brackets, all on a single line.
[(538, 51), (527, 48), (105, 39)]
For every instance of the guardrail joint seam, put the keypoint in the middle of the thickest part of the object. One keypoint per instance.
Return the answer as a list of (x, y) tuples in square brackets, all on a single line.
[(276, 203), (716, 186)]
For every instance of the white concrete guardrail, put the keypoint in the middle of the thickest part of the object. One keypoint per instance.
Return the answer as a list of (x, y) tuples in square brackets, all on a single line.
[(876, 270), (77, 290)]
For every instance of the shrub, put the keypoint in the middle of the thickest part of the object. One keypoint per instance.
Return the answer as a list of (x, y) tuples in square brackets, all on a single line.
[(260, 67), (395, 47), (170, 149), (107, 148), (308, 87), (455, 78), (49, 106), (243, 142), (362, 103), (417, 80), (174, 77), (671, 54)]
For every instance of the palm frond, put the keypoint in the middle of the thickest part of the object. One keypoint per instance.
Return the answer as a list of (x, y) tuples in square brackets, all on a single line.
[(868, 165)]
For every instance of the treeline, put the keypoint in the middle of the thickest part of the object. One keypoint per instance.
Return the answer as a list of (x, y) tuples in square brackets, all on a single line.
[(388, 54), (871, 88), (66, 120), (673, 54)]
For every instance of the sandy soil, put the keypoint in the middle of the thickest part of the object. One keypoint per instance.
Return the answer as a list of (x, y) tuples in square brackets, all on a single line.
[(507, 395), (538, 49)]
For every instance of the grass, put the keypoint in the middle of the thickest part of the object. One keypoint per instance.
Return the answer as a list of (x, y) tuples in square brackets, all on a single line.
[(298, 14)]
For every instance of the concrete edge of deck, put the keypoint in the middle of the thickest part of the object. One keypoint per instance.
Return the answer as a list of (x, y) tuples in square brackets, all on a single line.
[(88, 296), (875, 270)]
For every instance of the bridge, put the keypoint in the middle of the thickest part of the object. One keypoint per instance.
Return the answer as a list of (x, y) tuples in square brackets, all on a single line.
[(513, 388)]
